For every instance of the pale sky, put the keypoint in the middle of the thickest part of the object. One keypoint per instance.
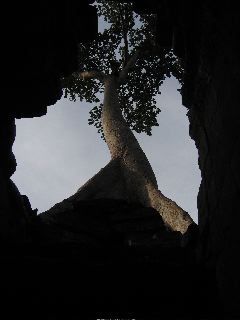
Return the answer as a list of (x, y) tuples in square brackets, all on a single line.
[(59, 152)]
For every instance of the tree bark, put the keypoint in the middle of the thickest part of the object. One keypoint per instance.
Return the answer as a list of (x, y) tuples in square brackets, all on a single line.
[(135, 180)]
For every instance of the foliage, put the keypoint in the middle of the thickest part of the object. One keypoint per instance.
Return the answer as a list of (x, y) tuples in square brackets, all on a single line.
[(109, 53)]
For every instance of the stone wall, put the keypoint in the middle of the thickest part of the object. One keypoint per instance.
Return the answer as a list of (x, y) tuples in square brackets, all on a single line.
[(39, 46), (205, 35), (212, 96), (12, 215)]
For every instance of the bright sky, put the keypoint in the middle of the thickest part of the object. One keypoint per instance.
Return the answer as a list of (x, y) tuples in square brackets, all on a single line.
[(58, 152)]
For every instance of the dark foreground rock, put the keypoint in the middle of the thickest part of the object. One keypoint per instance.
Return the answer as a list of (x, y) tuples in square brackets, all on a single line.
[(104, 259), (103, 223)]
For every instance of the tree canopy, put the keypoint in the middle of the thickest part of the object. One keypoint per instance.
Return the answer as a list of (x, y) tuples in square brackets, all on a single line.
[(127, 37)]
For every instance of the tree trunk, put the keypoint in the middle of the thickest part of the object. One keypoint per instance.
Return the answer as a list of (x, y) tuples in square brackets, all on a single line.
[(129, 174)]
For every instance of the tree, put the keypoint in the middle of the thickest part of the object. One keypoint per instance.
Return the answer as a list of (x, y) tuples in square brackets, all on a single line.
[(126, 64)]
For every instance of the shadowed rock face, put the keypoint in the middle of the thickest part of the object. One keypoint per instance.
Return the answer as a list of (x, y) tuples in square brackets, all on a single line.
[(104, 256), (213, 102), (40, 46), (205, 34), (103, 223)]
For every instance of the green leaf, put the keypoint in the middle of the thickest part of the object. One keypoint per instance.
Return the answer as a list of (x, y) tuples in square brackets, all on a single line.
[(107, 53)]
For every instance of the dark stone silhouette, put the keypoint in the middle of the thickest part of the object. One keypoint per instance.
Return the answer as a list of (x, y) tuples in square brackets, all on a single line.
[(68, 264)]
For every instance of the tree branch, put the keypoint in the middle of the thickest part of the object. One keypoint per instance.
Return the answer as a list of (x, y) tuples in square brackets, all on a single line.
[(125, 39), (129, 65), (91, 75), (144, 50)]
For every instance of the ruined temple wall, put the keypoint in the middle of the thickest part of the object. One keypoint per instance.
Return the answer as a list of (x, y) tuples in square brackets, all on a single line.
[(213, 100), (39, 46)]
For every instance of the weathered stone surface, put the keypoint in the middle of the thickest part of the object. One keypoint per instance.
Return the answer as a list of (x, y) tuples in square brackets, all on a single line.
[(213, 101), (12, 215), (104, 256), (40, 46), (206, 33), (43, 39), (103, 223)]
